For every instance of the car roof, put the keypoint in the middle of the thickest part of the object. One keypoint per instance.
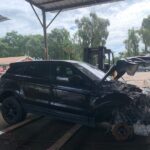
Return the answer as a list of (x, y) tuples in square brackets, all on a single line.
[(42, 61)]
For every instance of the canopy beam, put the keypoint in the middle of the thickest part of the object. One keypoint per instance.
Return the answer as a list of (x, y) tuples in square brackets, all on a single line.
[(2, 18)]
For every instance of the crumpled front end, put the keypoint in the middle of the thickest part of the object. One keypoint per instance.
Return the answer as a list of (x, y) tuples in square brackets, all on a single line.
[(129, 101)]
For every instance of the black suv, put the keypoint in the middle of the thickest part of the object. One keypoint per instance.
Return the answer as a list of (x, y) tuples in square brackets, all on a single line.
[(69, 90)]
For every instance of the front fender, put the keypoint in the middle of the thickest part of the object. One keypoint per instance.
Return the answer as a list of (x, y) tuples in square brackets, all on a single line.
[(104, 107), (114, 99)]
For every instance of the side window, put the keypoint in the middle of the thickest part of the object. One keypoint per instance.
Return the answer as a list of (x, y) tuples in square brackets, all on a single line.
[(39, 70), (43, 70), (63, 73), (67, 75), (30, 71)]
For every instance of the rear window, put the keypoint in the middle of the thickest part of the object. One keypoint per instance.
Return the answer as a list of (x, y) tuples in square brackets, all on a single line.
[(39, 70)]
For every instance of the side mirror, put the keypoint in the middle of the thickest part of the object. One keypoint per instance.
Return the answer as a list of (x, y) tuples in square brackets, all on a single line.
[(76, 80)]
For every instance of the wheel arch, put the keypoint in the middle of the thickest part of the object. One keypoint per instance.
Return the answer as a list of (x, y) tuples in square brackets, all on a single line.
[(110, 102), (7, 94), (119, 99)]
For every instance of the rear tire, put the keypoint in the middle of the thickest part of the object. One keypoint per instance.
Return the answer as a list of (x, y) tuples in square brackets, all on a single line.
[(12, 111)]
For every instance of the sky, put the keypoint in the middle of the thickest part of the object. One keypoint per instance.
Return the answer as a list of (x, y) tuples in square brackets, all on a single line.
[(122, 15)]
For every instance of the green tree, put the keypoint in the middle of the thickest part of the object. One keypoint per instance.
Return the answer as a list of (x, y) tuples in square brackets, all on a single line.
[(92, 31), (145, 34), (34, 46), (3, 49), (14, 42), (77, 48), (132, 43), (60, 44)]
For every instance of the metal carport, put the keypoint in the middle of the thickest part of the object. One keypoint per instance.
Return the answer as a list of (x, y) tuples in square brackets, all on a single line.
[(58, 6), (2, 18)]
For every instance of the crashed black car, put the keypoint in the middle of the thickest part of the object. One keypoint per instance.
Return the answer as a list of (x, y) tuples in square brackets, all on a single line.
[(72, 91)]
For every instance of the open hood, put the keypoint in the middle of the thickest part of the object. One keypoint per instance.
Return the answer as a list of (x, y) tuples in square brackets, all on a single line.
[(129, 65)]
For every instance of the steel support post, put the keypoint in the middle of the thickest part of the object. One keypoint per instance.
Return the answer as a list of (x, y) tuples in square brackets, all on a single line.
[(45, 34), (44, 26)]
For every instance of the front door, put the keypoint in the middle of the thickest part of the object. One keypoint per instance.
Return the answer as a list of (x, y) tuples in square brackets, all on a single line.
[(69, 97)]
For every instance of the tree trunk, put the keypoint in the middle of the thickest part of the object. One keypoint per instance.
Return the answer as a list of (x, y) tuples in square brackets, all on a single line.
[(145, 50)]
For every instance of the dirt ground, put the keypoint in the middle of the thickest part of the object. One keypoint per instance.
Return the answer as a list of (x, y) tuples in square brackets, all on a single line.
[(3, 124), (141, 79)]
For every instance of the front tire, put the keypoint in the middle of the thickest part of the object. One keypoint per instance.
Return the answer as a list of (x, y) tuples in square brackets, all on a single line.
[(12, 111), (122, 128), (122, 132)]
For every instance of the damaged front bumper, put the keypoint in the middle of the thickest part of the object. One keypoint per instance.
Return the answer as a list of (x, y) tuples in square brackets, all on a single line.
[(131, 102)]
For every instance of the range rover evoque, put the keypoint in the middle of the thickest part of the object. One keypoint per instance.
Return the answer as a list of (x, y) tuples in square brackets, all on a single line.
[(68, 90)]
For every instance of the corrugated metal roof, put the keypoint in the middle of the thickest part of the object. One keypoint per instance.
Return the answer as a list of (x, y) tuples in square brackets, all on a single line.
[(8, 60), (55, 5), (2, 18)]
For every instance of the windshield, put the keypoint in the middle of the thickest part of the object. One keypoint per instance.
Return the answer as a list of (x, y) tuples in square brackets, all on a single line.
[(91, 71)]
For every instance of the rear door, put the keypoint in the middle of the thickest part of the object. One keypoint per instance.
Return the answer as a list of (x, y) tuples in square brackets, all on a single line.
[(37, 87)]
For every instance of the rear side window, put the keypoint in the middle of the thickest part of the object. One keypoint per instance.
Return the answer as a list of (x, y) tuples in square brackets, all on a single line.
[(16, 69), (39, 70)]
